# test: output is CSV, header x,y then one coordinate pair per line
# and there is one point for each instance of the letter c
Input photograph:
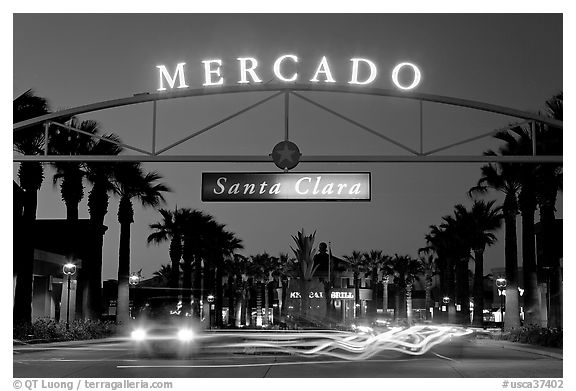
x,y
298,185
277,64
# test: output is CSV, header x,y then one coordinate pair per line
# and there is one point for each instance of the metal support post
x,y
154,128
68,306
286,114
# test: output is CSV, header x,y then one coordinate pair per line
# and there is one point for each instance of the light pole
x,y
69,269
501,285
446,300
134,280
210,299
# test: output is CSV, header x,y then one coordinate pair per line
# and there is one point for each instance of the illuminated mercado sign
x,y
404,75
236,186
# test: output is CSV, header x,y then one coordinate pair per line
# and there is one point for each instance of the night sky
x,y
509,60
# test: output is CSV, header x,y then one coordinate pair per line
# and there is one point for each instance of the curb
x,y
39,345
519,347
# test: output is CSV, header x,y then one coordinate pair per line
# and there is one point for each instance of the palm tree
x,y
440,242
236,266
285,268
428,260
548,184
356,262
479,223
170,228
165,274
518,141
504,178
131,182
406,271
196,224
221,245
304,253
457,229
30,174
374,261
71,174
101,176
259,269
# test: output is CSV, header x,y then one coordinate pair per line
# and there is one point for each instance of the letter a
x,y
325,69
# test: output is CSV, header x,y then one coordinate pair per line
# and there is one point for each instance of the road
x,y
453,359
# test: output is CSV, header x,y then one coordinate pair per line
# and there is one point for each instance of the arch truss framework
x,y
159,155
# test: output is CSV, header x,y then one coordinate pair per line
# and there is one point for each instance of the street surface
x,y
461,357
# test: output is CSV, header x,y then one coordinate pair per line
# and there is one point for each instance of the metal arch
x,y
153,97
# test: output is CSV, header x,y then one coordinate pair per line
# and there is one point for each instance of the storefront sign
x,y
342,295
334,294
311,295
404,75
236,186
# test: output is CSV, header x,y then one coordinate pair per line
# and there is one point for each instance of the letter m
x,y
178,74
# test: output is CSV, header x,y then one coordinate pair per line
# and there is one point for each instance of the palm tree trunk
x,y
123,301
266,303
397,303
552,260
512,314
478,288
197,286
284,306
22,310
92,292
463,292
231,299
450,284
372,304
259,314
385,295
531,291
175,252
219,294
409,303
356,295
402,301
304,299
428,298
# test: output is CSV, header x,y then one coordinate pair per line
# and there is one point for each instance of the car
x,y
163,327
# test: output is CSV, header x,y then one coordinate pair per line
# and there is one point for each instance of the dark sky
x,y
509,60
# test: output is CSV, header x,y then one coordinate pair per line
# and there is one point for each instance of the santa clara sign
x,y
237,186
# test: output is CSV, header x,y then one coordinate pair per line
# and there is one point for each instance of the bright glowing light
x,y
138,335
371,65
416,340
415,81
179,74
185,335
277,64
208,72
323,68
244,70
69,269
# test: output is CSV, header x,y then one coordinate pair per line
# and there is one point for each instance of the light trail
x,y
415,341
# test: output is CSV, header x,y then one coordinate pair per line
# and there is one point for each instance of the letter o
x,y
417,75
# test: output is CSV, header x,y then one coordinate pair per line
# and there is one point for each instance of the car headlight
x,y
138,335
185,335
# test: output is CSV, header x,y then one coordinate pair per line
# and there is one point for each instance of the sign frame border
x,y
369,199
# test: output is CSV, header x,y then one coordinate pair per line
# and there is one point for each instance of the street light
x,y
133,280
69,269
501,285
210,299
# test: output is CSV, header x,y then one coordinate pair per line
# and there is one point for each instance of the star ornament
x,y
286,155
